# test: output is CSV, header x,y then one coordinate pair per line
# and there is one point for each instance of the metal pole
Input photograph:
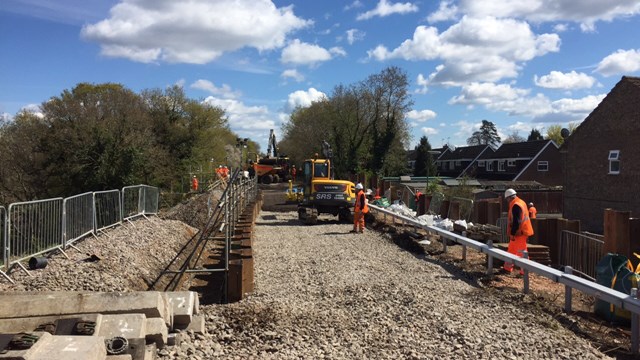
x,y
490,259
567,290
525,254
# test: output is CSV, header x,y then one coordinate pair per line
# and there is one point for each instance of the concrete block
x,y
197,324
50,347
129,326
157,332
28,304
29,324
182,303
174,339
43,339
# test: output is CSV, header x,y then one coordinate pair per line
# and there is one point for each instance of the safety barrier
x,y
570,281
436,202
78,218
581,252
33,228
3,235
139,200
502,224
465,207
107,209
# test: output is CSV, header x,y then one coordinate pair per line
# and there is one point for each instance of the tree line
x,y
105,136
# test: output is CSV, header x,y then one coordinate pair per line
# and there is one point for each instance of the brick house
x,y
453,162
538,161
412,154
603,159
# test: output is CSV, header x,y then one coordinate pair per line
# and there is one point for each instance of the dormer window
x,y
614,162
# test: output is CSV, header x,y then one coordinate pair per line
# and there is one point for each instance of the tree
x,y
486,135
535,135
514,137
424,164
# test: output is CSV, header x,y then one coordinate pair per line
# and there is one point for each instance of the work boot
x,y
353,231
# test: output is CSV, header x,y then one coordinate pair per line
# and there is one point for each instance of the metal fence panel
x,y
151,196
132,201
107,209
581,252
33,227
466,208
502,224
436,202
78,217
3,235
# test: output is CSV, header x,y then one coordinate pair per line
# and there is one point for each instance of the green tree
x,y
424,164
535,135
486,135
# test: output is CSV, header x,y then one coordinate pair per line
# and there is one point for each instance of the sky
x,y
520,64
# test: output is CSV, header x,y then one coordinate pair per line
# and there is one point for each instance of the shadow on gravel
x,y
290,222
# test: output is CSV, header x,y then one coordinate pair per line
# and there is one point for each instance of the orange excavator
x,y
274,167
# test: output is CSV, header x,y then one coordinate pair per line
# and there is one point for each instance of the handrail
x,y
619,299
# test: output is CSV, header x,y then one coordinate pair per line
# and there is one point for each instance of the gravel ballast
x,y
321,292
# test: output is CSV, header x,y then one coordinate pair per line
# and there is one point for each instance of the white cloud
x,y
560,28
354,35
353,5
421,115
446,11
429,131
247,121
298,52
5,117
224,91
423,83
620,62
586,13
303,98
570,80
385,8
33,109
197,32
474,50
292,74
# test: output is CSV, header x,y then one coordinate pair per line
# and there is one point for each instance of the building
x,y
602,159
453,162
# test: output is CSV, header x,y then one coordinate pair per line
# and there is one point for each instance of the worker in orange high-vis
x,y
361,208
518,226
194,183
532,211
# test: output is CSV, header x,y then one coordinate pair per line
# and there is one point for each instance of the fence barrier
x,y
502,224
465,208
107,209
566,277
3,235
33,228
581,252
78,218
436,203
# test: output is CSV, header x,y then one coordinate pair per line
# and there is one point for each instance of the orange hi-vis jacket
x,y
532,212
361,203
525,223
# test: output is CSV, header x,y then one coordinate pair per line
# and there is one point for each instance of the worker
x,y
293,173
219,171
418,194
361,208
225,172
194,184
532,211
518,227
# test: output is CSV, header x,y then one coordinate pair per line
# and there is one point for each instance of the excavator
x,y
323,194
274,167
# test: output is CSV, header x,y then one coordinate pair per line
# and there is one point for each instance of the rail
x,y
570,281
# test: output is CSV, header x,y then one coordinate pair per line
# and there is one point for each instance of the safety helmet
x,y
368,192
509,192
220,166
359,186
530,204
194,176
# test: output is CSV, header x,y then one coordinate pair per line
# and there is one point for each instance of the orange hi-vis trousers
x,y
516,247
358,221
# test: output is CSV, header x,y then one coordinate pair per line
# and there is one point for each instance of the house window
x,y
458,163
451,165
480,163
543,166
614,162
489,166
511,163
501,165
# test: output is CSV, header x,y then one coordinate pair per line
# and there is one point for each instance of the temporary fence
x,y
3,235
33,228
436,203
465,209
78,218
502,224
139,200
107,209
581,252
567,278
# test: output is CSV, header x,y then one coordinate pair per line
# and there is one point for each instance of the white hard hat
x,y
509,192
530,204
359,186
368,192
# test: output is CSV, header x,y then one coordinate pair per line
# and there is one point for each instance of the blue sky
x,y
518,63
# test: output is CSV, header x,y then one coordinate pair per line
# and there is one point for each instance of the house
x,y
602,159
538,161
453,162
412,154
